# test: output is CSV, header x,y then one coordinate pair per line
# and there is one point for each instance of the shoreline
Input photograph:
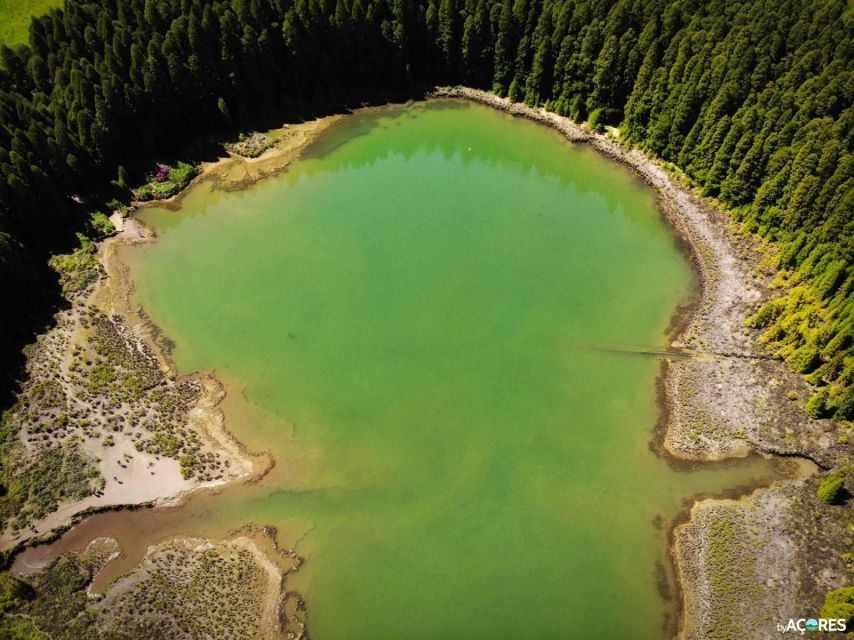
x,y
278,611
112,295
233,172
724,291
698,423
143,479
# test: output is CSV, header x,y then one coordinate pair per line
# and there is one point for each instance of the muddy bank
x,y
729,398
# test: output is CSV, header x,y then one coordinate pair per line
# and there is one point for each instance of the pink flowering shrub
x,y
162,173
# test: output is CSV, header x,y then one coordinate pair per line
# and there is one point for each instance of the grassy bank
x,y
15,18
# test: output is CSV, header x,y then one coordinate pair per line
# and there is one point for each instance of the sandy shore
x,y
727,399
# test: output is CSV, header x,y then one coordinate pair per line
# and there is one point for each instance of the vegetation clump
x,y
250,145
14,593
839,604
101,226
166,181
38,484
79,270
832,487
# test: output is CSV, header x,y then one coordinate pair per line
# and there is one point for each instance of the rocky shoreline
x,y
729,398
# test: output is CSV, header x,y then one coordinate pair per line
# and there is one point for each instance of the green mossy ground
x,y
15,18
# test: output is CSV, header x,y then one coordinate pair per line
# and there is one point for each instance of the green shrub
x,y
101,225
515,91
816,407
179,176
839,604
165,444
805,359
596,121
13,592
831,488
20,629
101,377
121,181
767,313
77,270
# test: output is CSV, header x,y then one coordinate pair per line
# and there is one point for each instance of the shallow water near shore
x,y
423,320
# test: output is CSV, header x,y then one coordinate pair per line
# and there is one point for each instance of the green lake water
x,y
424,317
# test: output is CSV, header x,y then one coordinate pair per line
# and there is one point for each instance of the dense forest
x,y
752,100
